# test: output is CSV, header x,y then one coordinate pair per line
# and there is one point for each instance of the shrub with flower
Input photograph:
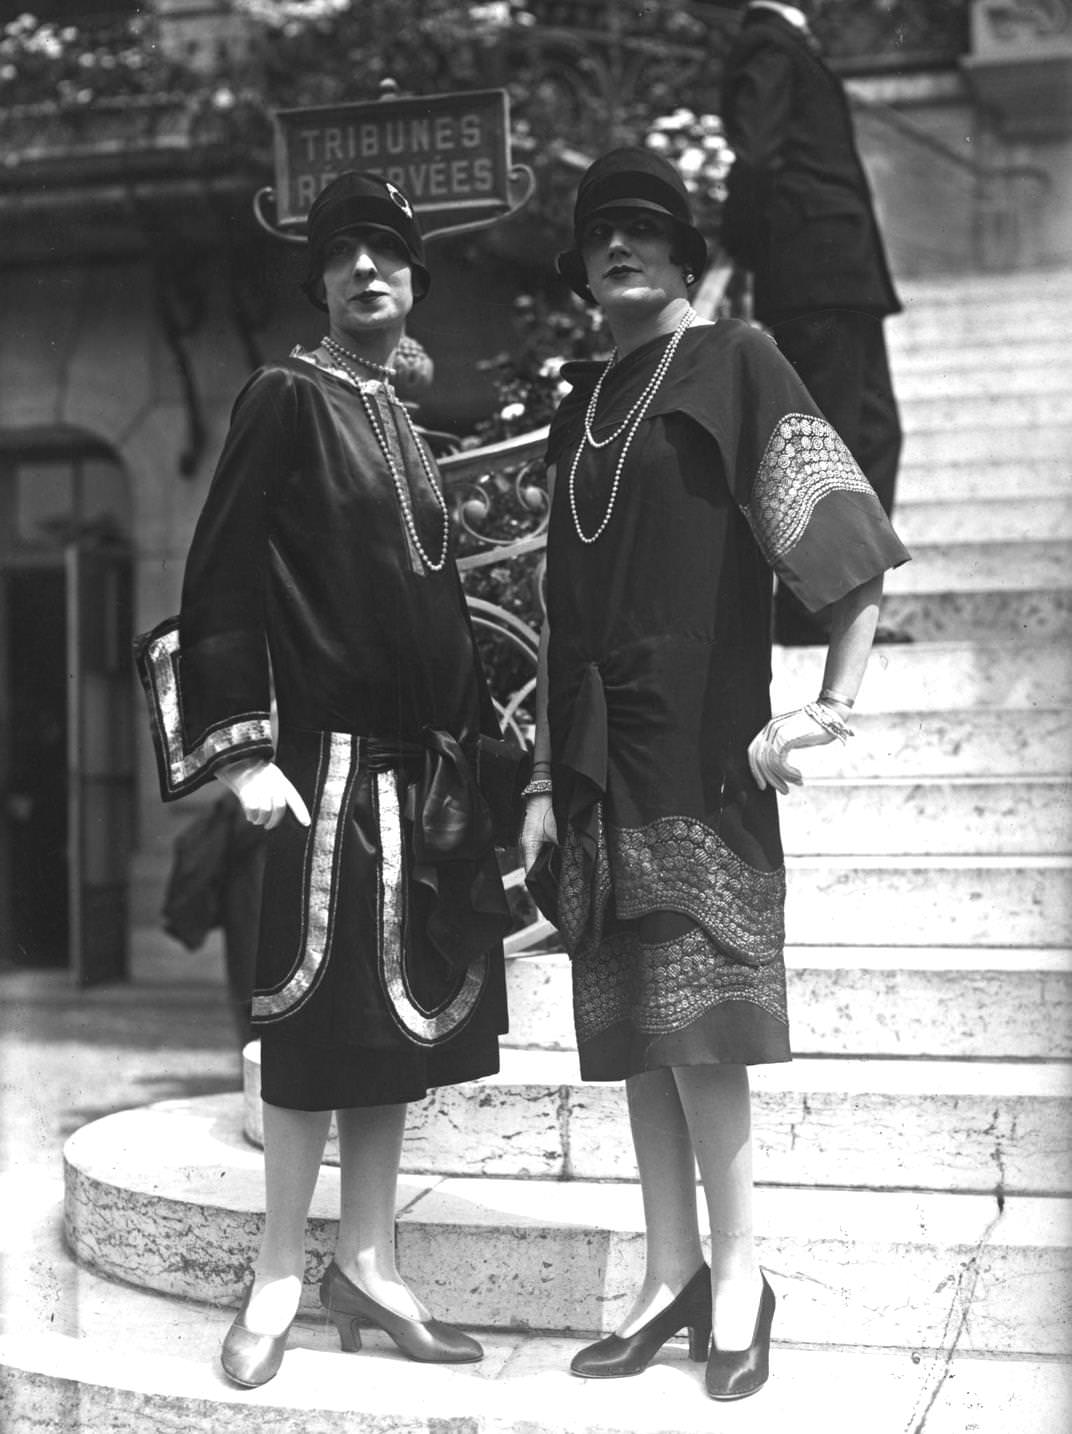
x,y
696,144
76,66
528,383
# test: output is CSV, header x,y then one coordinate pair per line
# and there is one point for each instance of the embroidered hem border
x,y
661,988
672,864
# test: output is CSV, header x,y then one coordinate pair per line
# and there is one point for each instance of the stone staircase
x,y
913,1161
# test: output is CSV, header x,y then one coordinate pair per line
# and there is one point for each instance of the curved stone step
x,y
82,1355
170,1198
917,1125
884,1001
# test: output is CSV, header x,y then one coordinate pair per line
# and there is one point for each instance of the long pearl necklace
x,y
632,422
342,357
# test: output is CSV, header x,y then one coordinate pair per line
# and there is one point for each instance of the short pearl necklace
x,y
631,421
342,357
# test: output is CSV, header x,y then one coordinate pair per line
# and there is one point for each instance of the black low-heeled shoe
x,y
620,1355
736,1373
251,1359
429,1341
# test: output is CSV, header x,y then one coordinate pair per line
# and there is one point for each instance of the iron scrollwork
x,y
499,503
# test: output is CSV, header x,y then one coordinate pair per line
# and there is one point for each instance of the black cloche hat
x,y
367,200
631,178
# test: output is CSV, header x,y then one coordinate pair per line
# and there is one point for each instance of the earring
x,y
690,277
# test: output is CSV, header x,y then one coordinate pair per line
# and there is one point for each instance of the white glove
x,y
768,750
537,829
264,792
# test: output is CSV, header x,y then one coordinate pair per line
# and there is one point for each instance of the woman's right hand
x,y
537,829
264,792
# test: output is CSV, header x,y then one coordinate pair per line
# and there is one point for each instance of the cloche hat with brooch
x,y
368,201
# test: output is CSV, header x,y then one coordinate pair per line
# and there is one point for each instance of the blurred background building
x,y
137,292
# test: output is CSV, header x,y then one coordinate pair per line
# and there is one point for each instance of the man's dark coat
x,y
799,212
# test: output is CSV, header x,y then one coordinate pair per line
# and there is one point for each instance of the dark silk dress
x,y
672,892
379,964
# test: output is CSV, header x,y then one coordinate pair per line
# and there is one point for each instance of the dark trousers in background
x,y
841,358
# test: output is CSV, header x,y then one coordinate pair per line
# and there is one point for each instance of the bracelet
x,y
538,787
828,693
828,721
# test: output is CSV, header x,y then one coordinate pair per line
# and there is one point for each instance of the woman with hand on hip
x,y
322,567
687,469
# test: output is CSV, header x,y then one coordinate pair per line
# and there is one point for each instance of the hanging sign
x,y
449,154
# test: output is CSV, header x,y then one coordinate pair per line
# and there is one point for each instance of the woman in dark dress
x,y
321,568
686,470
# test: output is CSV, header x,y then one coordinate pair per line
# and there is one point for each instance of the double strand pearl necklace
x,y
342,357
630,422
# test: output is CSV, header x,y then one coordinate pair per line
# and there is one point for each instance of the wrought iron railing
x,y
499,502
498,497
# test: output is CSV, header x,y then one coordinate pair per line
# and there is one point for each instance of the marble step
x,y
964,590
953,815
944,676
929,901
945,333
884,1001
989,294
998,521
976,367
80,1354
964,616
984,414
870,1124
944,440
942,745
948,321
982,480
957,566
170,1198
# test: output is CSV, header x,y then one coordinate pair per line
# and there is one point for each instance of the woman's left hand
x,y
768,750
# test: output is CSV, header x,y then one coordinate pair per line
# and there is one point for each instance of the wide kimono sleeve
x,y
815,517
206,673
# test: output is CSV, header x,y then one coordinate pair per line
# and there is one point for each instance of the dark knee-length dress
x,y
379,963
672,890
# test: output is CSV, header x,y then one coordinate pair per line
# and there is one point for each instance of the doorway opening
x,y
66,749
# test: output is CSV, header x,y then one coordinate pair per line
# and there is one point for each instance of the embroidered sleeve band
x,y
182,767
804,462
